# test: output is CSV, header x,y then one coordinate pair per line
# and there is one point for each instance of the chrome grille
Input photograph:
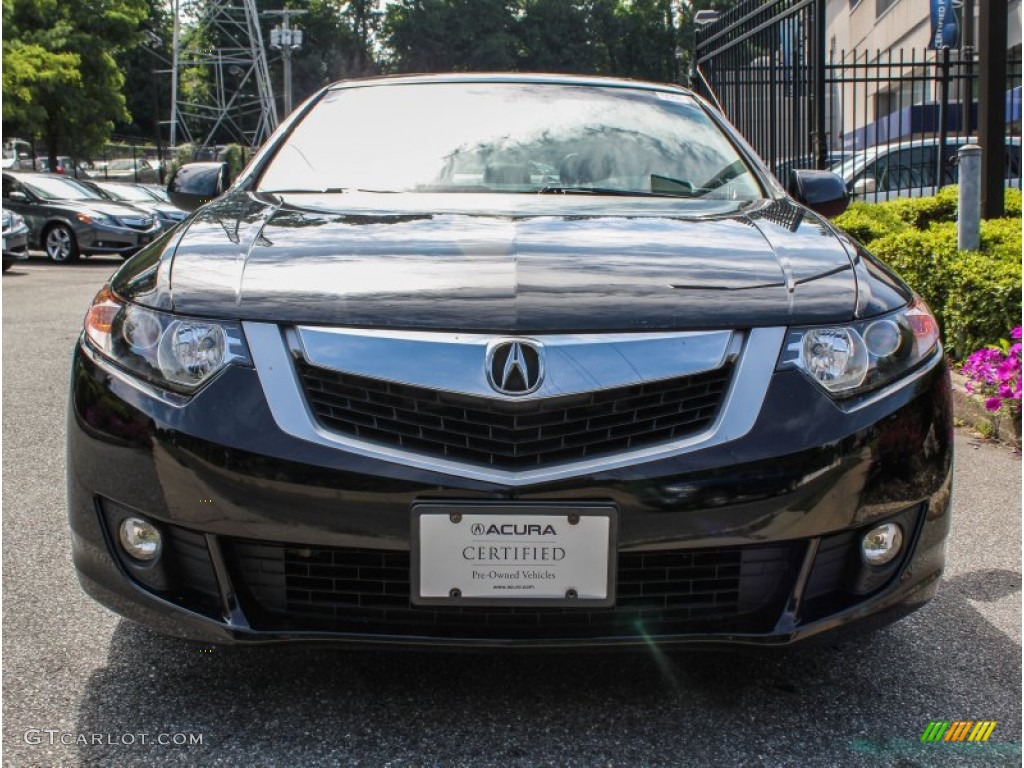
x,y
514,434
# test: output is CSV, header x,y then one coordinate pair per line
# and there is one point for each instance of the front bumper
x,y
15,244
106,238
251,512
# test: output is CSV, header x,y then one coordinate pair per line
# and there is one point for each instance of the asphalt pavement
x,y
83,687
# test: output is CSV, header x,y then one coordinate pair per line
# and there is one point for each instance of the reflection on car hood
x,y
531,264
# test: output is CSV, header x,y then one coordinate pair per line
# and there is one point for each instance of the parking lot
x,y
83,687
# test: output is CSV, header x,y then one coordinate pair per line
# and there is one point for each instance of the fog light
x,y
881,544
139,538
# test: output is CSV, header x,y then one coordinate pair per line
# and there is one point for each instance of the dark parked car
x,y
138,196
15,239
68,219
501,360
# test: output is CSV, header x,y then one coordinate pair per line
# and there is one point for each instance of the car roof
x,y
540,78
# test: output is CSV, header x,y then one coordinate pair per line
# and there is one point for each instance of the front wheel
x,y
61,244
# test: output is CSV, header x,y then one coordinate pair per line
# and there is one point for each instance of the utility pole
x,y
286,38
174,79
992,106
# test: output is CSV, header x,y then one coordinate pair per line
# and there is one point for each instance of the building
x,y
889,88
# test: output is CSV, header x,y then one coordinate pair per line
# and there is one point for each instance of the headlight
x,y
94,218
17,221
849,359
177,353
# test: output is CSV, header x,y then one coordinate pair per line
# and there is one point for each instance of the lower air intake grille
x,y
659,593
514,434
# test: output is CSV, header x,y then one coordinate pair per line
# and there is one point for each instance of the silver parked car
x,y
908,169
68,219
15,238
166,214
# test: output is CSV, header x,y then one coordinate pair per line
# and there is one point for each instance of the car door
x,y
28,207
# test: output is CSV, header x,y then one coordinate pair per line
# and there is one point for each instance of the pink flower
x,y
1015,333
993,403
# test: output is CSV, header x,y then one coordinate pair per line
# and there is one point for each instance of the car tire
x,y
8,263
60,244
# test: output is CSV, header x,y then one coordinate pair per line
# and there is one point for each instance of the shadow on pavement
x,y
863,702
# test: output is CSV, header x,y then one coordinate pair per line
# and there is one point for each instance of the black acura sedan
x,y
502,360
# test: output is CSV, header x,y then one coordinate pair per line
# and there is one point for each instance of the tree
x,y
451,36
557,36
61,81
146,69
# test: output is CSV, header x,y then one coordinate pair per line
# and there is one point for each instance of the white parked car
x,y
908,169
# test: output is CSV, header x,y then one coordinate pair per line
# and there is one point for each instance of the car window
x,y
10,185
509,137
906,168
126,192
51,188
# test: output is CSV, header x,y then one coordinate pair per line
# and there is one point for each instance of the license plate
x,y
5,243
513,554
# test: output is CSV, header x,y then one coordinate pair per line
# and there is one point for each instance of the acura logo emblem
x,y
515,367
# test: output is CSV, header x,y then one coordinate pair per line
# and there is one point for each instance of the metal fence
x,y
897,118
889,121
761,62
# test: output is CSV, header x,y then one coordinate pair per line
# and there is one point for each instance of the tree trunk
x,y
51,147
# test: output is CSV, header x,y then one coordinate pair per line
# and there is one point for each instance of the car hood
x,y
106,207
443,263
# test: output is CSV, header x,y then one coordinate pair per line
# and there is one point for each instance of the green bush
x,y
234,156
920,212
983,302
1011,204
922,259
867,222
975,296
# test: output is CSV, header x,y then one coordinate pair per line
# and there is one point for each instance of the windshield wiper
x,y
561,190
327,191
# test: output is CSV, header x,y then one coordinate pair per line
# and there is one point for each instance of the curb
x,y
970,409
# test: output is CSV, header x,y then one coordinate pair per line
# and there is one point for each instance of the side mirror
x,y
19,197
822,191
865,186
196,184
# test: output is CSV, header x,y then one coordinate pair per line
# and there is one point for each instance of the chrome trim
x,y
740,408
458,362
855,404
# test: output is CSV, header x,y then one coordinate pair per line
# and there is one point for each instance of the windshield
x,y
124,192
49,188
509,137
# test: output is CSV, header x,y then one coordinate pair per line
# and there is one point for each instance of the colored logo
x,y
515,367
958,730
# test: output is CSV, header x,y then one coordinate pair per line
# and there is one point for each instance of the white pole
x,y
968,218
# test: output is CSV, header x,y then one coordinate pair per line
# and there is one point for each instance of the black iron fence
x,y
896,118
889,121
762,63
